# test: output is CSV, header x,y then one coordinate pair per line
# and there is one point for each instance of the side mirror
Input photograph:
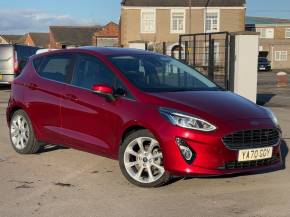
x,y
104,90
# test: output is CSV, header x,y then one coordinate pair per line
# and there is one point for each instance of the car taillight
x,y
15,63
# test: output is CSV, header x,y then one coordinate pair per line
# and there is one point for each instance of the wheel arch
x,y
11,111
129,130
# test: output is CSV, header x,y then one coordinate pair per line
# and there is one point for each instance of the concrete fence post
x,y
244,64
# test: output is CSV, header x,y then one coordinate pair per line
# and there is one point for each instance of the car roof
x,y
104,51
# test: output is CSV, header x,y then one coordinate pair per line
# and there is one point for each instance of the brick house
x,y
274,39
157,21
9,39
35,39
71,36
108,36
76,36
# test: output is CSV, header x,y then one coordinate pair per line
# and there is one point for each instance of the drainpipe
x,y
190,16
206,6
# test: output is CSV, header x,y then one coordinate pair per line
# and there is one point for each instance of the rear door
x,y
45,93
6,62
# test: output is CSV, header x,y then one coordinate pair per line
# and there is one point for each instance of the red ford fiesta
x,y
155,115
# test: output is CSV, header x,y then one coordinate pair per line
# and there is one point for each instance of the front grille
x,y
252,139
250,164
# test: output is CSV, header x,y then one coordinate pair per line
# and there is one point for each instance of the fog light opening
x,y
187,153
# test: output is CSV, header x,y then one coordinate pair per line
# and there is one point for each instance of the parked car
x,y
12,58
154,114
264,64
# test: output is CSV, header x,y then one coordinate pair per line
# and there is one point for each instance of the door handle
x,y
71,97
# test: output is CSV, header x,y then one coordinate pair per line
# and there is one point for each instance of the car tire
x,y
142,167
21,134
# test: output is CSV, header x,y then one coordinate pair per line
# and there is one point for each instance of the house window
x,y
178,21
212,20
148,21
287,33
281,55
266,32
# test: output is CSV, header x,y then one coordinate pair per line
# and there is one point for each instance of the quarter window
x,y
177,21
281,55
56,68
212,20
148,21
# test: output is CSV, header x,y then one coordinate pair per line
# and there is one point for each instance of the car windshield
x,y
156,73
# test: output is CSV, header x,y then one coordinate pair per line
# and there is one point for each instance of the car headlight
x,y
186,121
272,116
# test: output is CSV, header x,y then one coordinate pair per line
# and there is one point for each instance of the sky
x,y
21,16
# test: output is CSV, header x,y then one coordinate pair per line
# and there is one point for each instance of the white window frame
x,y
287,33
142,28
171,20
281,56
212,10
266,31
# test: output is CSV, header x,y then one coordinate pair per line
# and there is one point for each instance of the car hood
x,y
220,105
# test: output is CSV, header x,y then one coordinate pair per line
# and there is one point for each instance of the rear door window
x,y
57,68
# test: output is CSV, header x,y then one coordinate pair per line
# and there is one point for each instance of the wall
x,y
231,20
278,43
28,41
2,41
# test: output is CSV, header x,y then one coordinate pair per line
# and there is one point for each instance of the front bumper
x,y
264,68
212,157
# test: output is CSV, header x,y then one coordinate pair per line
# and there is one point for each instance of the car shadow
x,y
284,154
263,99
50,148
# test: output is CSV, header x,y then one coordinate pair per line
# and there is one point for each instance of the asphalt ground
x,y
68,183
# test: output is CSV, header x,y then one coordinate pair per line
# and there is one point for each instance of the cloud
x,y
22,21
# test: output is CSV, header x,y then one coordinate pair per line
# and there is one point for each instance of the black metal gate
x,y
209,53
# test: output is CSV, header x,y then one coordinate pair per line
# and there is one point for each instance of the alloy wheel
x,y
19,132
143,160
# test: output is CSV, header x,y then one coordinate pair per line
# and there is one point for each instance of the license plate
x,y
262,68
255,154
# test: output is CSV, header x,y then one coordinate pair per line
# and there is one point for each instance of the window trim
x,y
172,31
287,32
212,10
280,55
141,20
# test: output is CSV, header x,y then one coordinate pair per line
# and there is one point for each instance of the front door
x,y
90,121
